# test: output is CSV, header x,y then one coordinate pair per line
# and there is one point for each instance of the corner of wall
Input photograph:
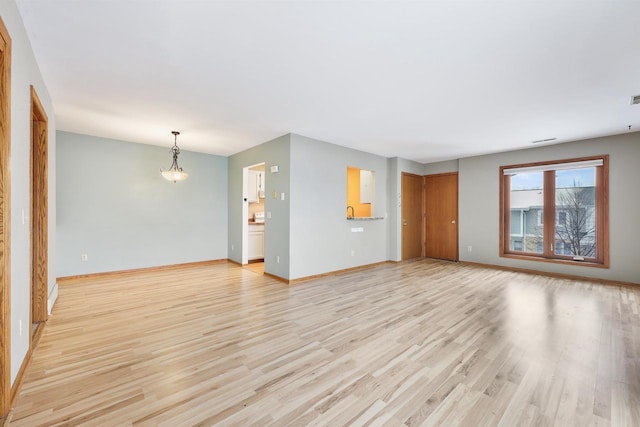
x,y
53,297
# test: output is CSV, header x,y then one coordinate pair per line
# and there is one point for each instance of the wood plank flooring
x,y
417,343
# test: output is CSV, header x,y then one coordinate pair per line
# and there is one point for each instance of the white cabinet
x,y
367,188
256,186
261,187
252,196
256,241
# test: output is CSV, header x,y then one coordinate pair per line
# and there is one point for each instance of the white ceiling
x,y
424,81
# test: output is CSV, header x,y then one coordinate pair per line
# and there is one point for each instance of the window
x,y
574,193
517,245
562,219
360,192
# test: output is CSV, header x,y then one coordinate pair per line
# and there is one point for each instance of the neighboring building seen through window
x,y
556,210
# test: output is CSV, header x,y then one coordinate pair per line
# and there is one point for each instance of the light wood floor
x,y
419,343
256,267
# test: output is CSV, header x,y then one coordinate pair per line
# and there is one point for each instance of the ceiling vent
x,y
538,141
635,100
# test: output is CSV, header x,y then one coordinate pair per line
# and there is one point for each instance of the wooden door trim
x,y
435,175
5,218
422,225
457,216
39,211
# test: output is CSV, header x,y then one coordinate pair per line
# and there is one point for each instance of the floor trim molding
x,y
70,279
17,383
549,274
336,272
278,278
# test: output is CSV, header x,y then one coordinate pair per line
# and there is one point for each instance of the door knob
x,y
453,221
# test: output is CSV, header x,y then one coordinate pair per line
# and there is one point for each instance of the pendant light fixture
x,y
175,172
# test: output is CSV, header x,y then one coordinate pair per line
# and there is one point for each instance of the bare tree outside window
x,y
577,233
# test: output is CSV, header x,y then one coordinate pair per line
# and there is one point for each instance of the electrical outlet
x,y
469,248
84,257
278,259
232,248
353,253
281,196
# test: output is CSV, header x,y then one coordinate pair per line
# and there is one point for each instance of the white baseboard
x,y
53,297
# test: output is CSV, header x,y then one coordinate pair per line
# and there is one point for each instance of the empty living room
x,y
292,213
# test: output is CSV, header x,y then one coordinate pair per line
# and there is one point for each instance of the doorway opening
x,y
253,215
39,214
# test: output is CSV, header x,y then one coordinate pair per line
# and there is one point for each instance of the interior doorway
x,y
441,216
411,216
39,213
253,214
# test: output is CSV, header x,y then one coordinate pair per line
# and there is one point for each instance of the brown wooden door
x,y
441,216
411,216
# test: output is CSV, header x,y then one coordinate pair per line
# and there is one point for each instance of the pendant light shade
x,y
175,172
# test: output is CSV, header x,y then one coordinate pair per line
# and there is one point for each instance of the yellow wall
x,y
353,193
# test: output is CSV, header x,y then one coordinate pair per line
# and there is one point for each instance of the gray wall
x,y
24,73
479,201
396,167
276,230
321,237
114,206
309,230
440,167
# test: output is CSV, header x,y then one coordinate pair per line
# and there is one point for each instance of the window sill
x,y
556,260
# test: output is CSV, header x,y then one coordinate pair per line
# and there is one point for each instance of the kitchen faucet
x,y
352,212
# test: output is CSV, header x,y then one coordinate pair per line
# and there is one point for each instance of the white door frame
x,y
245,211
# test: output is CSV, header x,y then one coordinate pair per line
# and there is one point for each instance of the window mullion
x,y
549,190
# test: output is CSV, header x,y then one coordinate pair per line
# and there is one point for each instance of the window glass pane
x,y
526,199
575,230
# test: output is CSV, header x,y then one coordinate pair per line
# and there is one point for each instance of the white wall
x,y
24,73
276,231
321,237
396,167
440,167
479,205
114,206
308,230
